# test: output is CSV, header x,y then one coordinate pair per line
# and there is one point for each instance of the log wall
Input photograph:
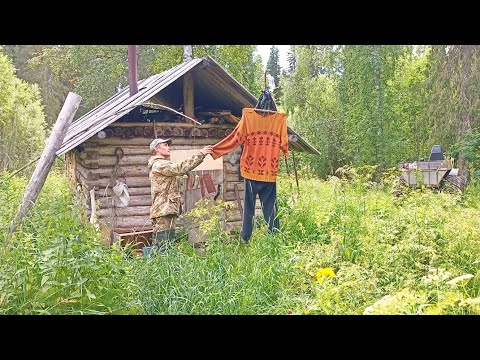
x,y
123,154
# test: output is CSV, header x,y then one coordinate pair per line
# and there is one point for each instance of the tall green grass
x,y
348,245
228,277
55,263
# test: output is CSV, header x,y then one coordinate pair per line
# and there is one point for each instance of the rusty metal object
x,y
209,184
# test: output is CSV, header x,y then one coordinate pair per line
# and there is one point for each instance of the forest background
x,y
357,104
348,245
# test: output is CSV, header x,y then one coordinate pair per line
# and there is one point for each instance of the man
x,y
164,188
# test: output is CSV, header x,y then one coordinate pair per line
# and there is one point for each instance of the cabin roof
x,y
215,88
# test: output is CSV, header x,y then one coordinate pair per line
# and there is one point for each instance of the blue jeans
x,y
267,192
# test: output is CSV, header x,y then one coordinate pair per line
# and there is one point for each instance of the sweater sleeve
x,y
232,141
284,137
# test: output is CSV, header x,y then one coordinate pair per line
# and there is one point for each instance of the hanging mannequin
x,y
263,132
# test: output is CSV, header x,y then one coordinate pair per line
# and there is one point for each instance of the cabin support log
x,y
188,95
44,165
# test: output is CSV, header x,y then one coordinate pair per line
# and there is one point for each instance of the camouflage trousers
x,y
163,232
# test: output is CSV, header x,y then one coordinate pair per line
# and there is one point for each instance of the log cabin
x,y
110,144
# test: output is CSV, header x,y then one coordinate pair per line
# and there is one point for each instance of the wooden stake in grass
x,y
44,165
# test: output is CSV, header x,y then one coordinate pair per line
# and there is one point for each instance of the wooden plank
x,y
188,94
230,186
191,197
135,200
44,165
133,222
135,149
131,191
169,124
110,160
193,141
124,211
131,182
136,233
138,160
233,119
225,114
231,195
118,141
70,161
239,201
143,141
127,150
125,171
232,177
120,230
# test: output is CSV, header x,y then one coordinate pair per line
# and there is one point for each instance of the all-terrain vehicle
x,y
438,172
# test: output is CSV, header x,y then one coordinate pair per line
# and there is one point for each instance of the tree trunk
x,y
465,125
466,116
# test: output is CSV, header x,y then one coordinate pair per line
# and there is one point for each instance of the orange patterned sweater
x,y
263,135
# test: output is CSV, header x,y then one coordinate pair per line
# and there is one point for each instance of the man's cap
x,y
155,142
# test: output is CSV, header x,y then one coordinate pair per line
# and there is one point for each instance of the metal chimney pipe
x,y
132,69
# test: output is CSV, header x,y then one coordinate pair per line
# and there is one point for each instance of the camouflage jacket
x,y
163,178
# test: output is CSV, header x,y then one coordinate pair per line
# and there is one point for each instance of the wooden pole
x,y
295,171
42,169
23,167
93,206
239,202
188,104
188,95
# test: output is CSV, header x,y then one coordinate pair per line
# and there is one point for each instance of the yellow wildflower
x,y
324,273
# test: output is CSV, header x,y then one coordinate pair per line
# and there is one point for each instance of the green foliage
x,y
22,122
55,264
273,69
366,91
95,72
364,107
313,108
239,61
273,65
53,89
453,99
358,105
345,246
469,149
379,248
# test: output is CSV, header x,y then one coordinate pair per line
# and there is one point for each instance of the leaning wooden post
x,y
54,143
295,170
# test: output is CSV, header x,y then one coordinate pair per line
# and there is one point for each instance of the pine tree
x,y
273,68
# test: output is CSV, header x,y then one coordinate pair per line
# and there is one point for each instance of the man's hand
x,y
207,150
